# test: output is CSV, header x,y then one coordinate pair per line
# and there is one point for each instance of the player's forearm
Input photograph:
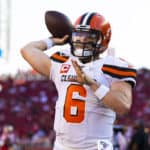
x,y
117,101
44,44
35,45
118,97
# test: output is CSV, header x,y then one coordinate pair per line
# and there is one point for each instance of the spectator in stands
x,y
6,138
139,140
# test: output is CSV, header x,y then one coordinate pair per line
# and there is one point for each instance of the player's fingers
x,y
77,67
60,41
65,38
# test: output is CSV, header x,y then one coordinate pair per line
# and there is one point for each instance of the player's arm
x,y
118,97
33,53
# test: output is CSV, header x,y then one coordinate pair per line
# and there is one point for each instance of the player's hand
x,y
82,77
60,41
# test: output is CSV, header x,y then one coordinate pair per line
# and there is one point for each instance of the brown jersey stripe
x,y
59,58
119,71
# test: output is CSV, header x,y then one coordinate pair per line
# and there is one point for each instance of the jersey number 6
x,y
77,104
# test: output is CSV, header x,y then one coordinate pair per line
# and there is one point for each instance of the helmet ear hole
x,y
100,40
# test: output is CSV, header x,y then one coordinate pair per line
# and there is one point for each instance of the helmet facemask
x,y
85,42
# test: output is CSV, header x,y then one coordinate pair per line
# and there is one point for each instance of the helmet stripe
x,y
89,19
86,18
82,19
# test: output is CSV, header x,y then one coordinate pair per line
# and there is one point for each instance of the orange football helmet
x,y
95,25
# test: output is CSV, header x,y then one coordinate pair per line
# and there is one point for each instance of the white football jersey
x,y
81,119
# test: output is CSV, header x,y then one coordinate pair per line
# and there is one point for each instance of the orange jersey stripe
x,y
59,57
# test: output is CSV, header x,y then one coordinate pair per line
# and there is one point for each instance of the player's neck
x,y
88,60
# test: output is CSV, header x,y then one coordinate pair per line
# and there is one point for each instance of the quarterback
x,y
91,89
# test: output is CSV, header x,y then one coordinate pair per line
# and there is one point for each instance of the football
x,y
58,24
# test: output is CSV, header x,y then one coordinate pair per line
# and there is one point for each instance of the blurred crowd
x,y
27,106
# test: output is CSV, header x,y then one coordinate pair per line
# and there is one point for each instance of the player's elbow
x,y
124,109
26,49
22,51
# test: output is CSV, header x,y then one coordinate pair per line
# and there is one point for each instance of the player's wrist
x,y
88,81
49,42
101,91
94,86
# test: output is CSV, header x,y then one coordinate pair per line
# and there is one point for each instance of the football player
x,y
91,89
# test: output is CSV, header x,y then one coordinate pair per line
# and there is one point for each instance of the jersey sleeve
x,y
119,69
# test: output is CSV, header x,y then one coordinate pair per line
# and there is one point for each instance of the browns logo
x,y
64,68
